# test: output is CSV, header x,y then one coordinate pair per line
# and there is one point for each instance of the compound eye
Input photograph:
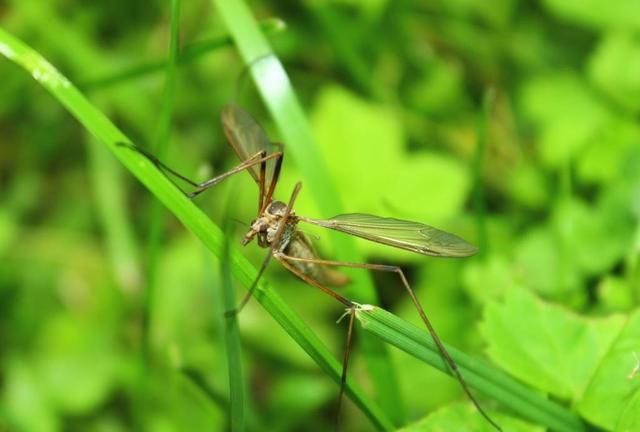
x,y
276,208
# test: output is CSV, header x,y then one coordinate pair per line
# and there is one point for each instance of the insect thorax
x,y
288,233
267,225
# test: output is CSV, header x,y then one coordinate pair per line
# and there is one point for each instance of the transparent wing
x,y
411,236
247,139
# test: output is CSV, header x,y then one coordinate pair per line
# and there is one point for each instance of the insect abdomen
x,y
300,247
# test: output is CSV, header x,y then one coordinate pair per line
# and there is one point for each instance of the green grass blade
x,y
184,210
276,90
232,341
479,198
478,374
188,54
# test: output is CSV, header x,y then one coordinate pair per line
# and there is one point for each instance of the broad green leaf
x,y
547,346
595,238
526,185
77,363
566,114
490,278
598,14
463,417
428,187
614,385
630,417
363,144
24,405
615,294
605,156
544,265
440,90
615,68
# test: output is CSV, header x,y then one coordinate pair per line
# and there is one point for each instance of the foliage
x,y
399,96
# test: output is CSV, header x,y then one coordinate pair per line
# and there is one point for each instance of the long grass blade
x,y
479,198
232,341
479,375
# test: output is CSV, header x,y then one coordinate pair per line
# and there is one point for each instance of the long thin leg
x,y
274,176
283,260
261,178
352,313
251,289
253,160
258,158
395,269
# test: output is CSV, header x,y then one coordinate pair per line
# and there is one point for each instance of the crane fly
x,y
275,228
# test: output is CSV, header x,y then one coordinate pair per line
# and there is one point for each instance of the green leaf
x,y
615,68
489,278
439,91
478,374
630,417
614,386
526,185
566,114
547,346
610,148
366,139
615,294
615,14
539,249
428,186
25,405
77,364
594,239
463,417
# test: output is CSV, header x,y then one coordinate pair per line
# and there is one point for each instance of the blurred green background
x,y
545,179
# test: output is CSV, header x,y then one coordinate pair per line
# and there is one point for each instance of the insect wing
x,y
247,139
411,236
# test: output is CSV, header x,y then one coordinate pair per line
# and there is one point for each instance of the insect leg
x,y
251,289
275,176
201,187
261,178
253,160
352,313
395,269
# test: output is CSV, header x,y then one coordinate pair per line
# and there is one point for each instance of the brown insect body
x,y
292,242
300,246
